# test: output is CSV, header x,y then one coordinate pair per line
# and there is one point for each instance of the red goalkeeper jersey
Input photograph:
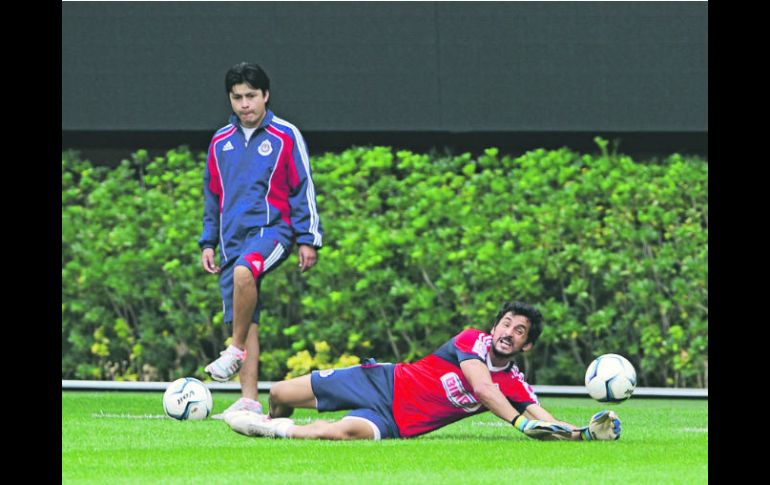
x,y
433,392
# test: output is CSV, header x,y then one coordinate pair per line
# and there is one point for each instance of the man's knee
x,y
243,278
276,390
278,401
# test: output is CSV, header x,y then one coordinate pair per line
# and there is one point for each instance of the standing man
x,y
259,197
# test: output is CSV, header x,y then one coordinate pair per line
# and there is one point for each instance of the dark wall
x,y
375,69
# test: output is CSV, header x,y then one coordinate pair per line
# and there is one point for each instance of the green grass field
x,y
121,437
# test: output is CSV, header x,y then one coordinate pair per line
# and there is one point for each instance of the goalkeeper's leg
x,y
287,395
251,424
344,429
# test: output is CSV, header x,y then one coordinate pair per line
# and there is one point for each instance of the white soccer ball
x,y
187,398
610,378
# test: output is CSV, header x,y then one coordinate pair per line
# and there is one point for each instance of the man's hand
x,y
207,260
307,257
604,425
542,430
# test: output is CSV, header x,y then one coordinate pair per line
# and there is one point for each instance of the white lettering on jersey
x,y
457,394
481,346
517,374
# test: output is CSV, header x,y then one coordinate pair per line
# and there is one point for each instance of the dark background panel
x,y
576,66
161,66
411,74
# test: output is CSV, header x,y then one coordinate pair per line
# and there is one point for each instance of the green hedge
x,y
418,246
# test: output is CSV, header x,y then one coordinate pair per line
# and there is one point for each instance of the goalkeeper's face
x,y
509,336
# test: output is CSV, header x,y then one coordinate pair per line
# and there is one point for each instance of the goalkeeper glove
x,y
604,425
542,430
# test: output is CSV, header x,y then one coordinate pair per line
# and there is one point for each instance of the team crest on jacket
x,y
265,148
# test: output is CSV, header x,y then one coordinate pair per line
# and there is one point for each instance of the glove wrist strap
x,y
519,422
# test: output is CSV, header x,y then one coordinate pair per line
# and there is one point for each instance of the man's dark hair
x,y
533,315
245,72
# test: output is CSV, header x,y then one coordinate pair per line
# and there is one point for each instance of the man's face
x,y
509,336
248,104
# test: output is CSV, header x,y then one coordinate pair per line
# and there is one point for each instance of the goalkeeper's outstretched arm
x,y
490,396
536,422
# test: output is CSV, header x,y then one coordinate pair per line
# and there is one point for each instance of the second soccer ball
x,y
610,378
187,398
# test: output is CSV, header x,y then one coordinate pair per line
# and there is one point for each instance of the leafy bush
x,y
417,247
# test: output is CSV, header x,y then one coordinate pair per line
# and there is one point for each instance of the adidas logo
x,y
257,265
228,146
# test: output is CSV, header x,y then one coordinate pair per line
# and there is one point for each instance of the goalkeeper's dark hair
x,y
245,72
525,310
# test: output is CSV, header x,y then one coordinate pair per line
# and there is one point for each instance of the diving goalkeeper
x,y
470,374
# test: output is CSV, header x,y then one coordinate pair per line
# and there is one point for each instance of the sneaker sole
x,y
221,416
217,378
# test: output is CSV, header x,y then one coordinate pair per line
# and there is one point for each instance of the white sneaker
x,y
251,424
242,404
228,363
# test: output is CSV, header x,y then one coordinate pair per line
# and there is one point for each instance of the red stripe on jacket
x,y
284,177
215,180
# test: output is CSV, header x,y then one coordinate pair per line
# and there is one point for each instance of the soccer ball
x,y
610,378
187,398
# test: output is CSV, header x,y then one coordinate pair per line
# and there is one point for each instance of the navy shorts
x,y
365,389
261,253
